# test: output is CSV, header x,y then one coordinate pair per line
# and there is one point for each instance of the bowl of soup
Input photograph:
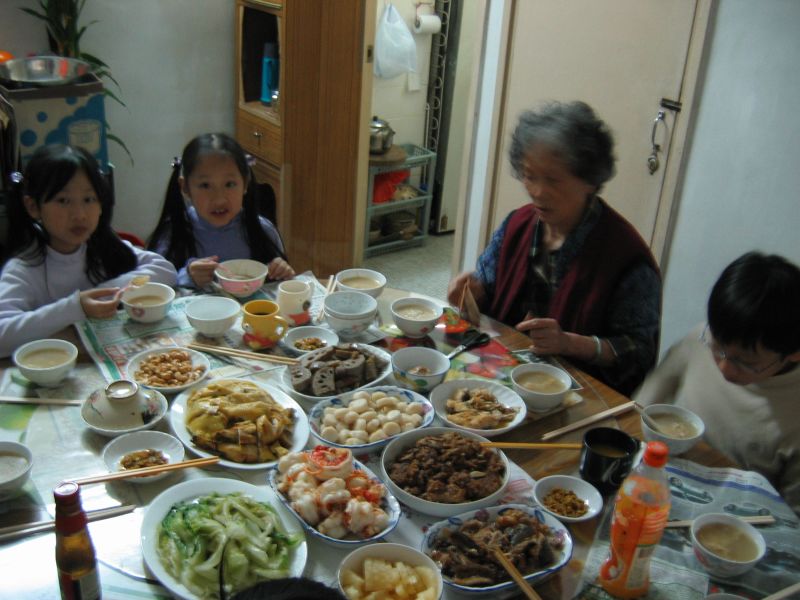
x,y
241,277
361,280
148,303
678,427
45,362
415,317
16,461
542,386
419,369
725,545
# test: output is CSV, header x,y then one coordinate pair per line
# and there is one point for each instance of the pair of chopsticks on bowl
x,y
328,289
146,471
236,353
611,412
15,531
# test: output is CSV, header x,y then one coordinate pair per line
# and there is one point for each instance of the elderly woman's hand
x,y
455,290
546,335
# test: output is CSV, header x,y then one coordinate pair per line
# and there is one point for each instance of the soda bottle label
x,y
86,587
639,574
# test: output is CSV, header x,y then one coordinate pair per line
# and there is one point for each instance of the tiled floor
x,y
424,269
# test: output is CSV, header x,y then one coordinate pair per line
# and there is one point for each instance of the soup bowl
x,y
148,303
546,398
16,461
416,317
725,545
241,277
213,316
419,369
45,362
361,280
679,428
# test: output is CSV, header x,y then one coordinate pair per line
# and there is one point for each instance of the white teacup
x,y
294,299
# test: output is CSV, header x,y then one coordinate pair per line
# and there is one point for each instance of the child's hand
x,y
202,270
279,269
100,303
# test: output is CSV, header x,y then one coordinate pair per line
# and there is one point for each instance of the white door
x,y
621,57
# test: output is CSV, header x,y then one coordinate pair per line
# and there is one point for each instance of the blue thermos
x,y
270,72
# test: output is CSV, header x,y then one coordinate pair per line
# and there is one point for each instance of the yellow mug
x,y
263,326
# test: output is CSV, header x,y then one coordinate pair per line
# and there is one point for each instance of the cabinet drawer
x,y
260,138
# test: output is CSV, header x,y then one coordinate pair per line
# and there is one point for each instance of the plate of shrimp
x,y
336,498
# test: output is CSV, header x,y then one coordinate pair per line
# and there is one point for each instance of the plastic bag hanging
x,y
395,49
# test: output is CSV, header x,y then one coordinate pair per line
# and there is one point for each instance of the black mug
x,y
607,458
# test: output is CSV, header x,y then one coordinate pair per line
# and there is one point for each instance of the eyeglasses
x,y
719,354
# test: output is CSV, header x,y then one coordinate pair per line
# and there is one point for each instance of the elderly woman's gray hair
x,y
574,133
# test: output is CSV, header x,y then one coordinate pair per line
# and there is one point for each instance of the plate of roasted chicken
x,y
248,425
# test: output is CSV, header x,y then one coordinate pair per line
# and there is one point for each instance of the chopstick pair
x,y
236,353
760,520
511,569
129,474
611,412
328,290
50,401
15,531
531,446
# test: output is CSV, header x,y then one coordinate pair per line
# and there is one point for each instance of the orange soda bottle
x,y
640,514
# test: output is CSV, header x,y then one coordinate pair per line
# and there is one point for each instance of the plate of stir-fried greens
x,y
213,537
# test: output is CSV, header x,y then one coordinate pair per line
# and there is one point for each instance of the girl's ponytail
x,y
173,236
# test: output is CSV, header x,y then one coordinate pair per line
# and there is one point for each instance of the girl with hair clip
x,y
67,263
210,214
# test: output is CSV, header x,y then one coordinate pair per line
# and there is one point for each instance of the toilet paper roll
x,y
427,24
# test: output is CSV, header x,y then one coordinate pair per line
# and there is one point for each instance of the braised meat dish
x,y
466,554
448,468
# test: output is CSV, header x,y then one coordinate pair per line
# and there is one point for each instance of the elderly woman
x,y
568,269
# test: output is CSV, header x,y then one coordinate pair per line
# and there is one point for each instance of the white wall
x,y
742,180
174,61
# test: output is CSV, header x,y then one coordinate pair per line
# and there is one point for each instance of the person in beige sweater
x,y
740,374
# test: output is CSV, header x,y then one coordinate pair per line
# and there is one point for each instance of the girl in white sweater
x,y
67,263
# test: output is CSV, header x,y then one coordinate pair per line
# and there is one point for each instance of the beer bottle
x,y
75,557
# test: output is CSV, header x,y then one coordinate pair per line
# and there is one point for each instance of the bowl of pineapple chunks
x,y
389,572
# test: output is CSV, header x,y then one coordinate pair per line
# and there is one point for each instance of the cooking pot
x,y
380,136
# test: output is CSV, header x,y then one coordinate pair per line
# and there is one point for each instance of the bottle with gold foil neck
x,y
75,558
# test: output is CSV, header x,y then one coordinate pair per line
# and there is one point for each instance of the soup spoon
x,y
651,422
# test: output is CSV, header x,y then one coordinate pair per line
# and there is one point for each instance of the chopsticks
x,y
328,290
761,520
784,593
516,575
15,531
54,401
531,446
236,353
196,462
611,412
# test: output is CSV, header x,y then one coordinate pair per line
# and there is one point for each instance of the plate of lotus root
x,y
336,369
248,425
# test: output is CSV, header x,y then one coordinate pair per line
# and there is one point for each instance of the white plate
x,y
111,420
309,401
168,445
562,556
388,504
198,360
177,420
442,393
316,414
582,489
195,488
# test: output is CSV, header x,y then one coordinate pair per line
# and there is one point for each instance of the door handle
x,y
653,162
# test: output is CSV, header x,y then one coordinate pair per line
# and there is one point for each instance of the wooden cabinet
x,y
310,145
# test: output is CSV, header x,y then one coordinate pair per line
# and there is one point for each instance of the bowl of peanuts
x,y
301,340
168,370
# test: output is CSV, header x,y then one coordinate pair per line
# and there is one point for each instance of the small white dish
x,y
300,433
213,316
444,391
17,470
115,418
294,335
199,360
582,489
118,448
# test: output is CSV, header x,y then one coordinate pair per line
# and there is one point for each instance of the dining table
x,y
65,449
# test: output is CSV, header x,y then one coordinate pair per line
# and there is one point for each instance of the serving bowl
x,y
241,277
403,442
17,461
44,70
349,313
361,280
415,405
200,364
710,555
213,316
419,369
504,396
45,362
679,428
294,335
583,490
148,303
416,317
113,418
541,401
558,533
120,447
353,564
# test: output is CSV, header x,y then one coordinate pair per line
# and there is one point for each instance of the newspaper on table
x,y
675,573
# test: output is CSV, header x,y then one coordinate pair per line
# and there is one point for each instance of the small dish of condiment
x,y
567,498
142,449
